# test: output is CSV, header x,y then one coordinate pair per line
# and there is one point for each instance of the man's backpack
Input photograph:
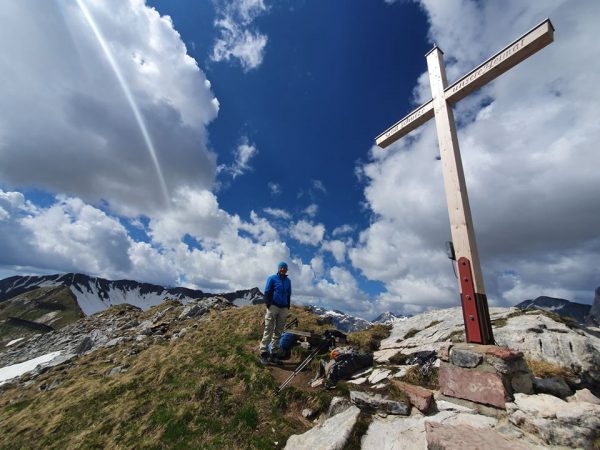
x,y
347,361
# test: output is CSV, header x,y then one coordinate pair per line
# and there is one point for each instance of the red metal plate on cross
x,y
469,305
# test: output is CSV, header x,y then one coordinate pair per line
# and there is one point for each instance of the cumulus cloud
x,y
529,157
337,249
237,37
68,236
307,233
74,127
75,134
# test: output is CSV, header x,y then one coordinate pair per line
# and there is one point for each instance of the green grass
x,y
36,306
204,390
369,339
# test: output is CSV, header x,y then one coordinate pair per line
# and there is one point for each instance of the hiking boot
x,y
274,359
264,358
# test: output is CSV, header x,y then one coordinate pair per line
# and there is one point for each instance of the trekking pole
x,y
304,363
292,323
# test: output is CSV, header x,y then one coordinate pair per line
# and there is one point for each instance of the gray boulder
x,y
552,385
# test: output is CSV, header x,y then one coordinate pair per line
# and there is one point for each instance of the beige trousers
x,y
274,322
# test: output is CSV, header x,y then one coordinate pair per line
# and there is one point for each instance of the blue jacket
x,y
278,291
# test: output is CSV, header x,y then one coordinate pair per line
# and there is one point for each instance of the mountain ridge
x,y
560,306
94,294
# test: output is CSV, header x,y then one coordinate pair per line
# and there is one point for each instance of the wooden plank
x,y
459,211
519,50
511,55
407,124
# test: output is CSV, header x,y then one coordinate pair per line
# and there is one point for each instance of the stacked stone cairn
x,y
484,374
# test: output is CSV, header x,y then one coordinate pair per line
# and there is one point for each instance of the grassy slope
x,y
203,390
36,304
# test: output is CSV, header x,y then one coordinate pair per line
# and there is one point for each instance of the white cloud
x,y
74,128
307,233
68,236
237,40
277,213
343,229
529,159
242,156
317,185
311,210
337,249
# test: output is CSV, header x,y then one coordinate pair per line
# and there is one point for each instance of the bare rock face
x,y
330,435
429,331
541,338
556,422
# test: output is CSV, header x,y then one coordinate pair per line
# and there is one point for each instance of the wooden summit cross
x,y
472,292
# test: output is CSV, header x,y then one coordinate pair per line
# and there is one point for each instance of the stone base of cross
x,y
478,328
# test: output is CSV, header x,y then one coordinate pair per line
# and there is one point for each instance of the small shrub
x,y
360,428
457,336
411,333
545,369
428,380
369,339
399,359
433,324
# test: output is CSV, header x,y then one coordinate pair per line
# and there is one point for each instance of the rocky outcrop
x,y
541,338
110,328
429,331
535,334
556,422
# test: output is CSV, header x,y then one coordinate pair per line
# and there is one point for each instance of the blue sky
x,y
261,118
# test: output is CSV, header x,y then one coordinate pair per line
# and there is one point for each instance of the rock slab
x,y
376,401
473,385
330,435
460,437
419,397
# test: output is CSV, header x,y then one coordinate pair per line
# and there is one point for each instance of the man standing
x,y
278,293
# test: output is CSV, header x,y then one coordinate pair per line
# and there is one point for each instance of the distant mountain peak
x,y
389,318
560,306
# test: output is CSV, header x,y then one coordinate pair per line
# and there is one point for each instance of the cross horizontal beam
x,y
519,50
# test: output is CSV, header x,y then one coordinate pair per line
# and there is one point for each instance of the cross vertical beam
x,y
476,314
477,323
